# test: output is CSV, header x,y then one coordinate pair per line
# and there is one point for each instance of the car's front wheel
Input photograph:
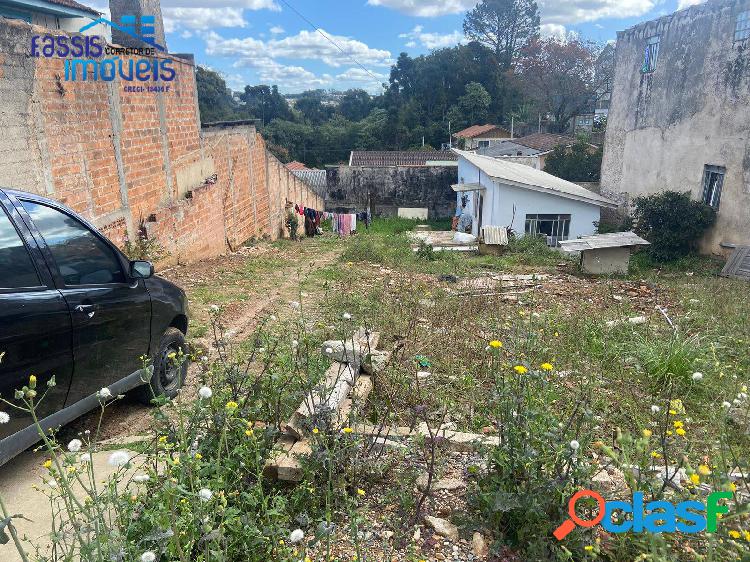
x,y
170,369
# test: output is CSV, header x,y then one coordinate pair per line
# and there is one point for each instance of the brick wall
x,y
121,158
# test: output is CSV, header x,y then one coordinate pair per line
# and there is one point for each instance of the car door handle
x,y
87,309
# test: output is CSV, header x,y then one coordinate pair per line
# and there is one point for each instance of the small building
x,y
605,254
394,158
482,136
64,15
679,114
529,201
530,150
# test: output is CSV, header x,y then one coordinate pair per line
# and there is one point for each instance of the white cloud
x,y
307,45
426,8
432,40
359,75
276,30
578,11
553,30
241,4
202,18
687,3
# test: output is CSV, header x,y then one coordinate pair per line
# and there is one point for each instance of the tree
x,y
476,102
673,223
503,26
562,77
215,100
578,163
355,105
310,105
266,103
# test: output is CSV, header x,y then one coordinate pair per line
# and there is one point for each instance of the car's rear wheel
x,y
169,370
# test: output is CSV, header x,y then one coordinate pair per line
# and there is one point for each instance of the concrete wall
x,y
694,110
388,189
120,158
500,200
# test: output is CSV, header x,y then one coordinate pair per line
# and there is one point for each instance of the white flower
x,y
205,392
736,402
346,316
141,478
273,317
329,350
296,536
104,393
85,457
295,305
4,417
697,376
148,556
75,445
742,396
119,458
726,404
295,344
261,350
214,308
655,409
574,445
205,494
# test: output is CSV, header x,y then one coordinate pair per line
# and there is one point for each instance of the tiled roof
x,y
378,159
73,4
545,142
480,130
292,166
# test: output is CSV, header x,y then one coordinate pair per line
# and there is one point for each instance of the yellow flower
x,y
647,433
249,432
678,424
176,461
32,381
703,470
681,432
672,412
496,344
547,367
361,492
171,355
670,432
231,406
588,548
746,535
733,486
348,430
316,431
734,534
48,463
198,456
695,479
655,454
162,439
557,335
281,542
308,559
520,369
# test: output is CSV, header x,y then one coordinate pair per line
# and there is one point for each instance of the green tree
x,y
476,102
215,100
673,223
503,26
266,103
355,105
310,106
578,163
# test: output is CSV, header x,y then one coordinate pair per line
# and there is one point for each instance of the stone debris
x,y
375,362
479,546
438,485
442,527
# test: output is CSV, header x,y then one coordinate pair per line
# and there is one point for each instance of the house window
x,y
554,227
742,29
713,181
484,144
650,55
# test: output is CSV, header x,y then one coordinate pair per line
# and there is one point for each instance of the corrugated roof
x,y
314,178
508,148
526,177
545,142
73,4
478,130
383,159
601,241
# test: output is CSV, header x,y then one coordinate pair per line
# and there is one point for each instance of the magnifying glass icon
x,y
569,524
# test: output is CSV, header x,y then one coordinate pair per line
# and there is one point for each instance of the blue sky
x,y
264,41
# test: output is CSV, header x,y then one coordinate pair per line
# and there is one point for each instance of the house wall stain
x,y
693,111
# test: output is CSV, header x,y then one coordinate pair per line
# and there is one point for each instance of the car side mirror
x,y
141,269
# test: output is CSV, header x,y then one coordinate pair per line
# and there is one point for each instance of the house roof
x,y
508,148
526,177
384,159
602,241
544,142
480,130
292,166
314,178
73,4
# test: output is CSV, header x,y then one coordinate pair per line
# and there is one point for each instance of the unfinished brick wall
x,y
122,158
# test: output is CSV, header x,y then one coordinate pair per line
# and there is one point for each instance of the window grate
x,y
713,182
650,55
555,228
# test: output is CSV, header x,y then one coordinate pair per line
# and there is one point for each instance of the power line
x,y
339,47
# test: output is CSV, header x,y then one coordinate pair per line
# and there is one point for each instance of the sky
x,y
273,41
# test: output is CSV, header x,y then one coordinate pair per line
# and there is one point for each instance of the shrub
x,y
673,223
580,162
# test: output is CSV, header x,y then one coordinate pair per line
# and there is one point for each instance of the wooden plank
x,y
738,265
454,440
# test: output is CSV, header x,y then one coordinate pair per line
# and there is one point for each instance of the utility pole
x,y
540,122
512,126
450,136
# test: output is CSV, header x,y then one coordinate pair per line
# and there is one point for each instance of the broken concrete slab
x,y
437,485
442,527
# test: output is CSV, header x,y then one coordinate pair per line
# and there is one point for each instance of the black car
x,y
73,306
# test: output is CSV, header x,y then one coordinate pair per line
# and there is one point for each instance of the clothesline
x,y
342,224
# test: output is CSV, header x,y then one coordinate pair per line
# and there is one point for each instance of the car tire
x,y
168,377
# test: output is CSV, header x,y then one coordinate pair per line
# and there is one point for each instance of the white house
x,y
501,193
